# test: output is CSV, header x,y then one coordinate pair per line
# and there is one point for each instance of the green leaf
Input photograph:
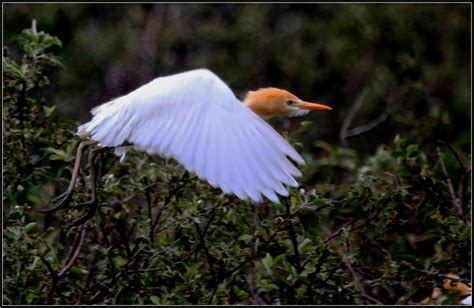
x,y
79,270
48,110
304,245
268,262
13,69
120,261
49,40
155,300
192,270
54,60
56,151
29,227
245,237
22,37
269,286
412,149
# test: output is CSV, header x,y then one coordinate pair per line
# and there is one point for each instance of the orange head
x,y
270,102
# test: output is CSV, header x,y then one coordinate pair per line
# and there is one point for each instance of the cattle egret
x,y
195,118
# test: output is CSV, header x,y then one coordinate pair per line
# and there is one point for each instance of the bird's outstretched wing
x,y
195,118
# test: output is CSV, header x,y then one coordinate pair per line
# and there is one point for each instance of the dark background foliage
x,y
384,208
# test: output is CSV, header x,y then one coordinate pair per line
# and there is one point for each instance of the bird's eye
x,y
290,102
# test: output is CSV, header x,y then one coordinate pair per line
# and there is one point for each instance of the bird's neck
x,y
263,110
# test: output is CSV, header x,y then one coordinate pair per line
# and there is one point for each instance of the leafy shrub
x,y
361,230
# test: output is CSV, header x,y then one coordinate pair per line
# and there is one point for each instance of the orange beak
x,y
312,106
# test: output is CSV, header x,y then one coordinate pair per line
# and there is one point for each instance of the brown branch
x,y
368,126
454,153
345,132
69,260
54,280
148,202
76,252
340,230
126,241
172,192
465,177
250,277
265,244
356,279
211,216
145,270
292,233
454,198
209,262
206,251
464,198
114,276
350,116
72,248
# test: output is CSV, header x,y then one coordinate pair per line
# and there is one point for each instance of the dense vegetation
x,y
384,207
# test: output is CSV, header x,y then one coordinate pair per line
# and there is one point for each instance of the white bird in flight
x,y
194,118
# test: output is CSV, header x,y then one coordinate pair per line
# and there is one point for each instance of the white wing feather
x,y
195,118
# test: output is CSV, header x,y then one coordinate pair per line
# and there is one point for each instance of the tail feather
x,y
109,125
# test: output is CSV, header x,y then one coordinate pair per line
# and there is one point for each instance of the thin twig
x,y
113,269
211,217
355,277
148,202
368,126
465,177
173,192
350,116
206,251
114,277
214,289
54,280
340,230
464,198
126,240
293,236
454,153
454,198
76,252
345,132
73,248
209,261
145,270
221,278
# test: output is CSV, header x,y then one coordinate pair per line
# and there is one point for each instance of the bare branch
x,y
72,248
76,252
454,153
340,230
54,280
355,277
454,198
345,132
210,262
171,192
350,116
293,236
464,197
368,126
465,177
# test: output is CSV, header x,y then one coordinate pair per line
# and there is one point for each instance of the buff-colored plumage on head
x,y
270,102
